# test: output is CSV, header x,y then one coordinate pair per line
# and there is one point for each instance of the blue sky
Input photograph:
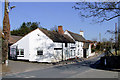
x,y
50,14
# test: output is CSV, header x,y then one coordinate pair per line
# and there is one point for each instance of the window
x,y
71,52
40,52
74,53
22,52
78,45
13,50
78,51
17,52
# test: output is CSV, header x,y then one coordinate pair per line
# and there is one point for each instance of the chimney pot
x,y
60,30
82,33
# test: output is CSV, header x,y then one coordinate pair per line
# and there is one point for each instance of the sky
x,y
50,14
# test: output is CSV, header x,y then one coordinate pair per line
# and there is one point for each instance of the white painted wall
x,y
89,51
78,45
39,41
23,44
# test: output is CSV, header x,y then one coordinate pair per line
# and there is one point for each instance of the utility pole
x,y
6,31
100,40
100,37
116,38
119,28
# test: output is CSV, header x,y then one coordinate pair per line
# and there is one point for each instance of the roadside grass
x,y
118,53
99,52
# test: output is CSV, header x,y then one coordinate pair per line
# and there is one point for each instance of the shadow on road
x,y
97,65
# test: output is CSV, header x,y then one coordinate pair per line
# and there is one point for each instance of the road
x,y
75,70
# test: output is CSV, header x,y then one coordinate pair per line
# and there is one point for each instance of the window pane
x,y
22,52
40,52
17,52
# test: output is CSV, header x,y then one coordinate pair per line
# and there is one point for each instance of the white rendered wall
x,y
23,44
39,41
89,50
78,45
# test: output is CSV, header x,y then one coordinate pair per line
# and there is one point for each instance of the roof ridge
x,y
76,36
75,33
55,36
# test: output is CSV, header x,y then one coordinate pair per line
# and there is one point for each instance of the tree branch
x,y
104,19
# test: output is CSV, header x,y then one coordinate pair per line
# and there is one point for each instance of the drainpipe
x,y
62,51
16,51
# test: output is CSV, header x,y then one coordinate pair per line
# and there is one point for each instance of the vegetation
x,y
55,28
25,28
102,46
99,10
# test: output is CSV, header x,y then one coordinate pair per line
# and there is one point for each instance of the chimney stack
x,y
60,30
82,33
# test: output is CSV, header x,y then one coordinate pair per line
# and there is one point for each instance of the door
x,y
13,54
84,53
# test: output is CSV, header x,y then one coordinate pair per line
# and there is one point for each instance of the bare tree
x,y
101,11
54,28
104,40
94,39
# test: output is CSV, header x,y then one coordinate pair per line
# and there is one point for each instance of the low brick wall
x,y
110,61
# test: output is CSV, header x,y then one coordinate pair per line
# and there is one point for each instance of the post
x,y
116,38
100,40
119,28
6,31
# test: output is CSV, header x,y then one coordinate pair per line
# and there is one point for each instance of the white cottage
x,y
42,45
83,49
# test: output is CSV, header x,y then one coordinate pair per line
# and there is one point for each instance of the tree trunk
x,y
6,31
4,51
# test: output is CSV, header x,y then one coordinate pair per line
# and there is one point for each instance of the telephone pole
x,y
116,38
100,37
100,40
119,28
6,31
